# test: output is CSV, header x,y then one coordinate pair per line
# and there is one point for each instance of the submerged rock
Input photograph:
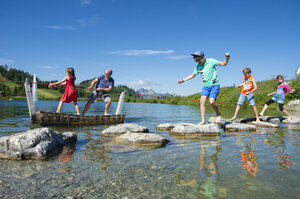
x,y
240,127
196,130
40,143
142,139
264,124
121,129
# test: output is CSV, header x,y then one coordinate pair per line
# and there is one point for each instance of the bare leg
x,y
213,103
86,108
107,106
202,109
287,113
237,109
76,107
264,109
256,113
61,103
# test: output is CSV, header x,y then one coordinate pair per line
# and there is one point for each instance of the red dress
x,y
71,92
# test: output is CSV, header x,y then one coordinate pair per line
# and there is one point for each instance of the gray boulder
x,y
223,121
196,130
40,143
240,127
294,120
121,129
293,105
169,126
142,139
264,124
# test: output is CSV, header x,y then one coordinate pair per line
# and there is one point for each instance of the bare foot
x,y
260,114
106,113
201,123
257,120
289,118
233,118
218,119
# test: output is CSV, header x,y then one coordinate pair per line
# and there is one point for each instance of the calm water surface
x,y
261,164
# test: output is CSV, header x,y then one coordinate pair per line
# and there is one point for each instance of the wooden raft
x,y
63,119
59,119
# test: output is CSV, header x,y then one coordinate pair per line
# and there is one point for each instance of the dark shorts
x,y
96,94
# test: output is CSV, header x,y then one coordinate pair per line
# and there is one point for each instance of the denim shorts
x,y
96,94
243,97
212,91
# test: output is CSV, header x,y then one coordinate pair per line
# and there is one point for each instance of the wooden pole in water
x,y
29,98
120,104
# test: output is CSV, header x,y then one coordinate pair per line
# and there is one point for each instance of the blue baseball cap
x,y
198,53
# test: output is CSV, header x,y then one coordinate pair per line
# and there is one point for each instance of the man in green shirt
x,y
211,85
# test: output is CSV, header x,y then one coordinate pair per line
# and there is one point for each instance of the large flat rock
x,y
264,124
170,126
223,121
196,130
142,139
294,120
240,127
121,129
40,143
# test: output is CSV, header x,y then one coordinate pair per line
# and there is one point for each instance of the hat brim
x,y
194,55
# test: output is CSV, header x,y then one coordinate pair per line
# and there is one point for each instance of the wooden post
x,y
29,98
120,104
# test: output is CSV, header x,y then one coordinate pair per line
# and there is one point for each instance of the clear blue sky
x,y
147,43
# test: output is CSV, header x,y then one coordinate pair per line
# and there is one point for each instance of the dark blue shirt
x,y
102,83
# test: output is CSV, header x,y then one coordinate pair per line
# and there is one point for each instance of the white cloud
x,y
86,2
82,23
141,52
6,61
135,85
178,57
49,67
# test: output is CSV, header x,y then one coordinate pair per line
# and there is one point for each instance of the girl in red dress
x,y
70,93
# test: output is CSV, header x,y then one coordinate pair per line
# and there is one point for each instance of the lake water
x,y
261,164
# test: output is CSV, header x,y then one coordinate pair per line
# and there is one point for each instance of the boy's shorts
x,y
212,91
243,97
96,94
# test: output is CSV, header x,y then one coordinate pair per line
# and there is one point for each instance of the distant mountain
x,y
153,94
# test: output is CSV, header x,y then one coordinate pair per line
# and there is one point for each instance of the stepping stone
x,y
121,129
196,130
169,126
264,124
294,120
165,127
240,127
40,143
223,121
142,139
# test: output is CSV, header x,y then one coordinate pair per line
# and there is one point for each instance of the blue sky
x,y
147,43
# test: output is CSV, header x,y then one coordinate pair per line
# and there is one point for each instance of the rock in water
x,y
196,130
40,143
240,127
294,120
264,124
223,121
142,139
121,129
169,126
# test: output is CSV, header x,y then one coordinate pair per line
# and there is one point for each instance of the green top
x,y
208,72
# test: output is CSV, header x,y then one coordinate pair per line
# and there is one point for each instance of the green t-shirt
x,y
208,72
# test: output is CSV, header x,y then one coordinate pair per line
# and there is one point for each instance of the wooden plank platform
x,y
63,119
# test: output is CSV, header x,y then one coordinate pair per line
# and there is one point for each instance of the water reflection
x,y
205,183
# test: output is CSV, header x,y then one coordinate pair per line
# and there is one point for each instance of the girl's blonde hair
x,y
71,72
